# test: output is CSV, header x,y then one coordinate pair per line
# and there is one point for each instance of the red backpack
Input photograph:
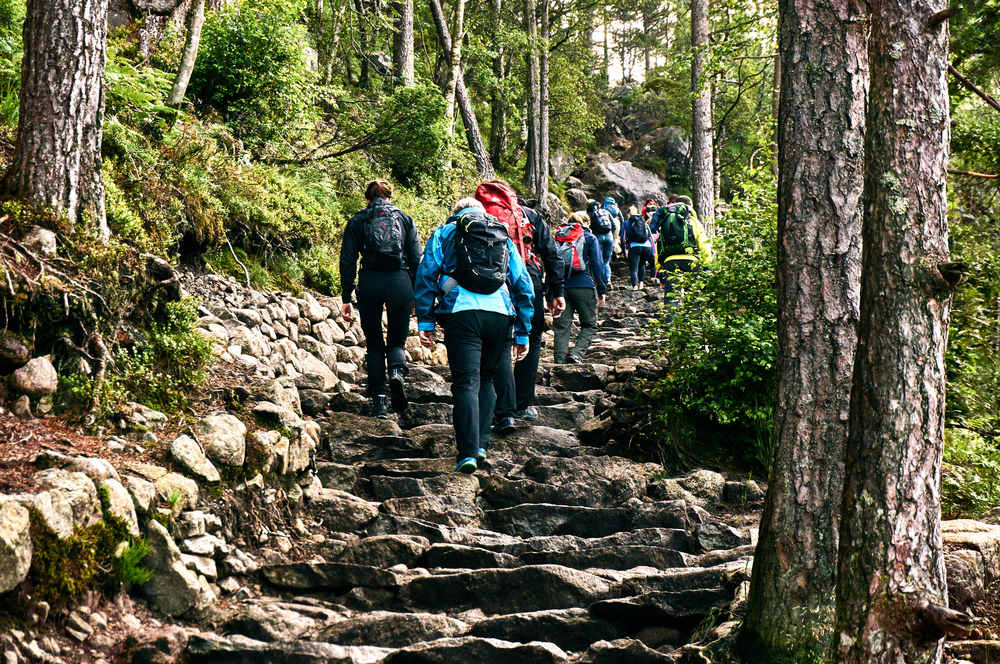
x,y
501,203
570,243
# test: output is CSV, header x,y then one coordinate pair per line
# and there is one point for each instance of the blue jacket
x,y
593,277
625,227
439,261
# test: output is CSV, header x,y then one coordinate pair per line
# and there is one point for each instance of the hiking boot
x,y
505,426
399,401
482,454
467,466
380,408
573,359
529,414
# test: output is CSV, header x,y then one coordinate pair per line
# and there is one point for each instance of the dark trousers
x,y
638,256
582,301
670,298
392,291
607,248
475,341
515,385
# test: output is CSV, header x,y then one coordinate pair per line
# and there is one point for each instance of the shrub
x,y
722,344
971,466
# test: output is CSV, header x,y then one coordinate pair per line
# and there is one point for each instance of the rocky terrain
x,y
285,526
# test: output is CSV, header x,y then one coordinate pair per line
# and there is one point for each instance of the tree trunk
x,y
498,101
775,101
454,64
338,18
402,51
57,162
472,133
702,171
891,566
820,133
542,186
195,19
533,92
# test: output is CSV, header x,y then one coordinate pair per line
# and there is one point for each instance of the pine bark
x,y
534,101
821,125
891,565
702,171
402,52
57,162
195,21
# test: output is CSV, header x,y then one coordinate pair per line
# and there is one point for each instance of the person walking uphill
x,y
602,225
584,287
637,239
681,246
473,282
515,384
387,242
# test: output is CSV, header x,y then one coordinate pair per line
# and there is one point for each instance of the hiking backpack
x,y
384,238
601,221
638,230
570,242
501,203
481,254
676,233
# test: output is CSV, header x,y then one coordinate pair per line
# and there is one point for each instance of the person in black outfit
x,y
515,385
386,239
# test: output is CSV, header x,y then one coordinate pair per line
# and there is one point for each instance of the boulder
x,y
705,485
577,199
15,545
579,377
568,416
313,402
41,241
385,551
626,183
189,454
342,512
181,492
392,630
271,622
224,438
173,589
975,536
77,490
36,378
499,591
624,651
120,503
14,352
966,578
666,146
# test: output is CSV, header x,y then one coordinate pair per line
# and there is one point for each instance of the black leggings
x,y
638,256
394,292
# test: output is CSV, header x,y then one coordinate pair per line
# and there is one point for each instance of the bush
x,y
252,68
971,466
721,347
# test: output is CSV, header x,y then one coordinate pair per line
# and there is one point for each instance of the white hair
x,y
466,203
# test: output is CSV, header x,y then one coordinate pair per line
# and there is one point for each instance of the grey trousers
x,y
582,301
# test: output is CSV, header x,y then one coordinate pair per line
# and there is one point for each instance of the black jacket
x,y
354,241
545,247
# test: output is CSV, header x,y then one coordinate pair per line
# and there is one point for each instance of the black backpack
x,y
638,230
384,238
676,233
601,222
481,254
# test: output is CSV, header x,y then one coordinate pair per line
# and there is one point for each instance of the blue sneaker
x,y
467,466
482,454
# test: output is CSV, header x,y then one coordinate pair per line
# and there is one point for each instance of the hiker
x,y
649,209
602,225
618,220
386,240
638,241
515,383
584,287
472,282
682,244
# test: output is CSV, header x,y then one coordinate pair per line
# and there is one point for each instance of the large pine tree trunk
x,y
821,123
702,171
534,100
891,565
58,158
454,63
195,21
402,52
542,186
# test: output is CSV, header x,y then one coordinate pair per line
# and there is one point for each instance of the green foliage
x,y
411,133
252,69
971,466
162,372
722,344
127,566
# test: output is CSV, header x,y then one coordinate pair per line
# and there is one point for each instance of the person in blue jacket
x,y
584,292
639,252
476,329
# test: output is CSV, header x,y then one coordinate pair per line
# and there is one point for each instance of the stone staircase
x,y
554,551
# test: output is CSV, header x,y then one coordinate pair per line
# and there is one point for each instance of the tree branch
x,y
993,103
971,174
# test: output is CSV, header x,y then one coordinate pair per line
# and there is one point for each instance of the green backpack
x,y
677,235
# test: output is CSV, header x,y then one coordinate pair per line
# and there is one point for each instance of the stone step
x,y
572,630
386,629
473,649
208,648
540,519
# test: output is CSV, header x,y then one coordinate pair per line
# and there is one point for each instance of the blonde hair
x,y
632,212
581,218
